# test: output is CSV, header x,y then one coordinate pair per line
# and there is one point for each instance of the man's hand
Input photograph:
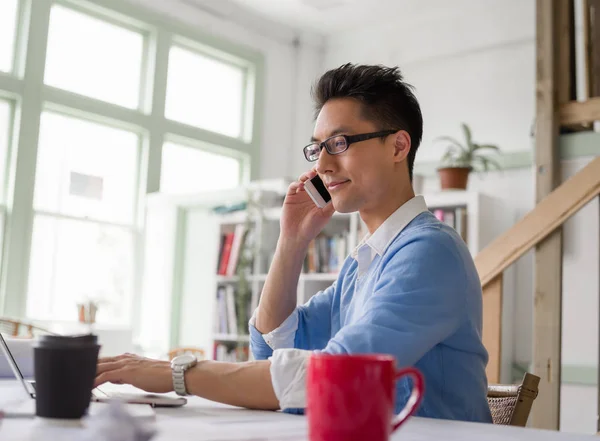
x,y
301,219
144,373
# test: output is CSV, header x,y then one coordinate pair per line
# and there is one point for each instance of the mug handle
x,y
415,397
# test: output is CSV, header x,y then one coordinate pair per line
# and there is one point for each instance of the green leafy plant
x,y
468,154
248,254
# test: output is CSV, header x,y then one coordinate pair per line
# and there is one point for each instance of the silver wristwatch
x,y
179,365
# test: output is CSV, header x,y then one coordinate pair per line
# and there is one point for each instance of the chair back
x,y
199,353
20,329
510,404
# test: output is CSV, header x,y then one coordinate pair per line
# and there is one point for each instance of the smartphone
x,y
317,191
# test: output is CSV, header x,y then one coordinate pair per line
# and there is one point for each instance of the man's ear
x,y
401,145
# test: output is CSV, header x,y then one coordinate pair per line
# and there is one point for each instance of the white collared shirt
x,y
380,240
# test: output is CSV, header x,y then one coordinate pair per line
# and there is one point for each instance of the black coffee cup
x,y
65,369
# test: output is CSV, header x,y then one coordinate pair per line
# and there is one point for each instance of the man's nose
x,y
324,162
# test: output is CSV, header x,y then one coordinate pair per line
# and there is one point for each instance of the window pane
x,y
94,58
86,169
8,27
189,170
5,125
204,92
73,261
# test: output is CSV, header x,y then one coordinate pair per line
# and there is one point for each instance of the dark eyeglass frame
x,y
350,139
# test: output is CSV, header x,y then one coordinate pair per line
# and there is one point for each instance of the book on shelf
x,y
230,352
238,241
326,254
221,314
455,217
231,245
228,319
224,253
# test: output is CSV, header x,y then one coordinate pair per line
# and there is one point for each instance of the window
x,y
5,133
8,28
189,170
95,58
84,210
205,92
89,142
86,170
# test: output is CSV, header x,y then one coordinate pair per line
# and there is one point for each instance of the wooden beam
x,y
598,371
564,63
552,81
547,328
546,217
587,50
593,49
492,327
567,89
573,113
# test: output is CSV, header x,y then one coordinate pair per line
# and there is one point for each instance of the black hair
x,y
386,98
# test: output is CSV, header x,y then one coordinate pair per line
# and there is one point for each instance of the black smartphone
x,y
317,191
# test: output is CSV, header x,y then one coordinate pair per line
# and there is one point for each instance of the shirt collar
x,y
381,239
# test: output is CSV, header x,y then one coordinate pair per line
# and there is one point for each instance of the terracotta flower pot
x,y
454,178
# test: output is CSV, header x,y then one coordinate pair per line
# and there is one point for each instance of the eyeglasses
x,y
339,144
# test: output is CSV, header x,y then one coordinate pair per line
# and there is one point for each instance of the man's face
x,y
361,178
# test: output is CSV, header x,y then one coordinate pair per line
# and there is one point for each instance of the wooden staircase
x,y
558,110
536,226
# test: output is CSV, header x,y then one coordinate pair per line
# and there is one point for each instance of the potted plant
x,y
460,159
247,256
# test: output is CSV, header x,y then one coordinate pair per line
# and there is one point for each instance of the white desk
x,y
202,420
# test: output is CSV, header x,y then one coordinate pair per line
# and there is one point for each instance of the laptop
x,y
98,395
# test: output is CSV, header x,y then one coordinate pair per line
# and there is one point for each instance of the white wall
x,y
461,56
580,415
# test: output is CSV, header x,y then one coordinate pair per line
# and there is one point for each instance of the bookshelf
x,y
184,237
484,216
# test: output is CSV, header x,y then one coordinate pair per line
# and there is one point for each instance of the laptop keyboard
x,y
96,392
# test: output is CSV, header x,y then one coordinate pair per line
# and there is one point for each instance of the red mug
x,y
352,397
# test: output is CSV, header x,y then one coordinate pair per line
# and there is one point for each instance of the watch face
x,y
183,360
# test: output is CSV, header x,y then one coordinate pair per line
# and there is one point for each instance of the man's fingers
x,y
115,377
293,188
298,186
100,379
108,359
308,175
328,209
117,358
110,366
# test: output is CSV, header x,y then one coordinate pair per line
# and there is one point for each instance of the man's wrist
x,y
193,377
168,375
292,245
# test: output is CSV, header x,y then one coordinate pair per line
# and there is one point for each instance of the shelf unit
x,y
231,337
183,237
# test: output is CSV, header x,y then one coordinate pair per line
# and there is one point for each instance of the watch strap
x,y
179,381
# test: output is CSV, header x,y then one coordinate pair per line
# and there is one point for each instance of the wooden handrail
x,y
580,112
549,214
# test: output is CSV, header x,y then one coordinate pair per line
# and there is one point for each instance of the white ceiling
x,y
324,17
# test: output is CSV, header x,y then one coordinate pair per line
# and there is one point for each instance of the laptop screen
x,y
12,362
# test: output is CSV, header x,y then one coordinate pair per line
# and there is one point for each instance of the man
x,y
410,288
